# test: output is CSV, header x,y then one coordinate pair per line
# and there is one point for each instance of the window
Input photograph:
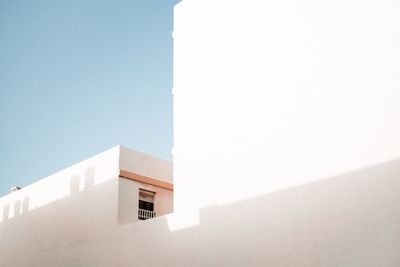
x,y
146,204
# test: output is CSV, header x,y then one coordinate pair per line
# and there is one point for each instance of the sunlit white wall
x,y
144,164
87,201
271,94
88,173
91,172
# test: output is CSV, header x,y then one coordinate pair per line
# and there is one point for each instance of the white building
x,y
286,114
285,149
86,202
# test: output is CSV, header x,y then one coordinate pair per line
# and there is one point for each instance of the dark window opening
x,y
146,204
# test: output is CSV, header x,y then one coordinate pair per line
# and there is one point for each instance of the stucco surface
x,y
347,220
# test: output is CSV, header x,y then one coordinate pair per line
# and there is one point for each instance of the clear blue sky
x,y
79,77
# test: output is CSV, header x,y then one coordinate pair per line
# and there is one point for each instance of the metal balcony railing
x,y
146,214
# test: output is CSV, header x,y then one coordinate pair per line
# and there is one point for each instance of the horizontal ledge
x,y
146,180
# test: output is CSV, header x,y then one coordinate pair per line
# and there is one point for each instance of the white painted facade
x,y
272,94
87,201
274,97
285,149
348,220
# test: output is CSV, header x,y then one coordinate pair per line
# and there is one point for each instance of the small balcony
x,y
146,214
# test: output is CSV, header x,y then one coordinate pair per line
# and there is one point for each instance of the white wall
x,y
128,200
272,94
128,190
70,207
144,164
65,183
82,204
348,220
